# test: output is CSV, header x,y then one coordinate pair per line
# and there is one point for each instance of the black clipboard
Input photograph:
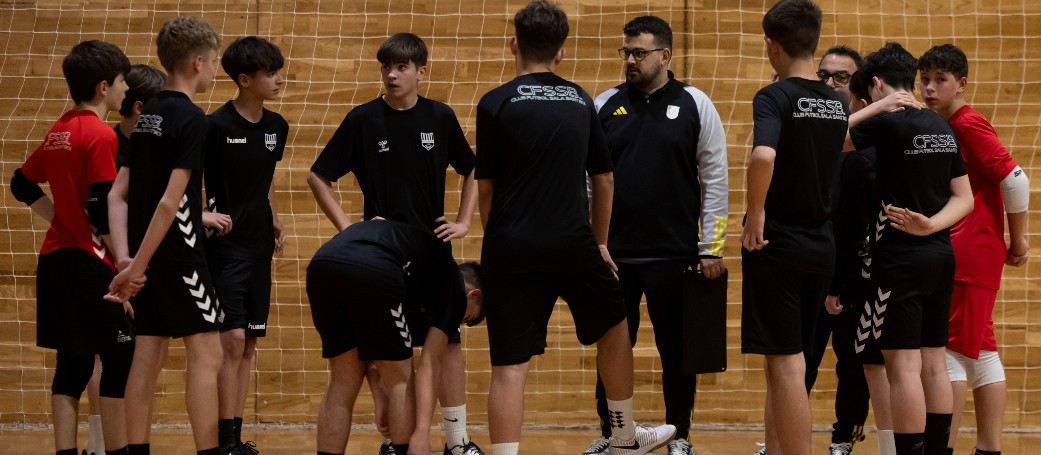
x,y
704,323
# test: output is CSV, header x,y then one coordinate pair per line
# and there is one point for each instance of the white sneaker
x,y
842,448
599,446
762,449
680,447
645,440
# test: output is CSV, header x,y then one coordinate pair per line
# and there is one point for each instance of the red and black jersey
x,y
79,150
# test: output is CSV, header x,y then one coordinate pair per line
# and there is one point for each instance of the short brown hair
x,y
795,25
182,38
541,30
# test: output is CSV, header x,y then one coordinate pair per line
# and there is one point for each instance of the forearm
x,y
162,218
273,202
603,196
484,199
1017,228
117,222
44,208
959,205
467,200
759,175
324,195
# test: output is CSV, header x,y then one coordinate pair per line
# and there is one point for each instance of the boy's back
x,y
917,159
538,137
805,122
170,135
79,151
399,158
240,165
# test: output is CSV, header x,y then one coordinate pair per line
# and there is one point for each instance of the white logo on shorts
x,y
399,321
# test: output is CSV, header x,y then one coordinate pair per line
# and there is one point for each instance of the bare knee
x,y
233,343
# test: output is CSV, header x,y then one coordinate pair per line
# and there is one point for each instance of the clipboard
x,y
704,323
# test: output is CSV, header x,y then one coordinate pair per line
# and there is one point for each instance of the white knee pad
x,y
979,372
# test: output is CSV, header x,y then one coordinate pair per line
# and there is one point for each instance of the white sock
x,y
506,448
95,438
886,443
453,423
621,415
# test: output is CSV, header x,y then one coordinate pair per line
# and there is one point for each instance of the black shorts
x,y
518,307
178,300
859,301
913,300
359,307
244,288
779,305
71,312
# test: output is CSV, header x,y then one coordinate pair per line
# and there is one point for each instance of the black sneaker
x,y
248,448
466,449
386,448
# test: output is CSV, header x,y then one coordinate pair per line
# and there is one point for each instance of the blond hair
x,y
182,38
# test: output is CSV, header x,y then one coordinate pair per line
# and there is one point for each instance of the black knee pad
x,y
71,374
115,367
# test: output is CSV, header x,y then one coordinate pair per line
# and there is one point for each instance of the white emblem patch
x,y
672,112
427,139
383,146
270,140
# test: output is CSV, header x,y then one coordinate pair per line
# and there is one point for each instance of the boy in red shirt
x,y
78,160
998,185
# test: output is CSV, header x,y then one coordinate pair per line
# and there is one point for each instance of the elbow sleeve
x,y
25,190
1015,189
97,206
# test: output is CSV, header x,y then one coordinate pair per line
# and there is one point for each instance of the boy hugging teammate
x,y
156,221
245,143
788,252
78,160
922,189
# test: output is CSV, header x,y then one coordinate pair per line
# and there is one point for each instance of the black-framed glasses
x,y
841,77
638,54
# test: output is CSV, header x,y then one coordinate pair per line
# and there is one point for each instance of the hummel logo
x,y
122,338
620,111
383,146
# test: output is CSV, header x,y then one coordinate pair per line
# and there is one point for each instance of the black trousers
x,y
851,397
661,282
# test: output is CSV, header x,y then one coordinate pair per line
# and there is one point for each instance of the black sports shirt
x,y
918,156
124,148
240,163
170,134
537,137
399,158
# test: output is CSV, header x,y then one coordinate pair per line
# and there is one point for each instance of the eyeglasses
x,y
638,54
841,77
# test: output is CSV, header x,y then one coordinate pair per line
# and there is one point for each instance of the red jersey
x,y
979,238
80,150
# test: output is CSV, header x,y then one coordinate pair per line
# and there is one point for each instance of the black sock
x,y
937,433
984,452
238,429
329,453
400,448
909,443
139,449
226,433
213,451
950,451
120,451
66,452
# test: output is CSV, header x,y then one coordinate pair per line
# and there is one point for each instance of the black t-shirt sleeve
x,y
766,115
460,156
869,132
213,171
334,161
958,168
193,143
486,158
283,134
598,159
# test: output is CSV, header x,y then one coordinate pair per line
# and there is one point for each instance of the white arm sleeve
x,y
712,172
1016,191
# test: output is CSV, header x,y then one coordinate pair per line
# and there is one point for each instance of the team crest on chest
x,y
672,112
427,139
270,140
